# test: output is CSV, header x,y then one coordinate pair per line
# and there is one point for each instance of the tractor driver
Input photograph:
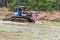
x,y
18,13
24,13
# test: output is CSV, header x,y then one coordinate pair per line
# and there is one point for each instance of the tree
x,y
13,4
44,5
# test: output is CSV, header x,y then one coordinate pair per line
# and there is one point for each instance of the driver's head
x,y
20,9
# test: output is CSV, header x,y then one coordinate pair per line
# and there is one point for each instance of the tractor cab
x,y
19,11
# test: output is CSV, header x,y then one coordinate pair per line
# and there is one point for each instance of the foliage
x,y
12,4
44,5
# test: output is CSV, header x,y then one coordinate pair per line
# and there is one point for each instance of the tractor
x,y
20,15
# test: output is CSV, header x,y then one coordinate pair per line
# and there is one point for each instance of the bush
x,y
13,4
43,5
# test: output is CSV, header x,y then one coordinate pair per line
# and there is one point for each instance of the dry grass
x,y
50,15
45,31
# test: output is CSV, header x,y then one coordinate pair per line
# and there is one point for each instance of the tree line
x,y
43,5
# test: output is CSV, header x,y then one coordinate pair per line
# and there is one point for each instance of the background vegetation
x,y
44,5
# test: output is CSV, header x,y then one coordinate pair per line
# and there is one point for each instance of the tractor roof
x,y
20,6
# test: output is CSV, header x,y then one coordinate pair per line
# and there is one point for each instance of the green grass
x,y
58,20
49,21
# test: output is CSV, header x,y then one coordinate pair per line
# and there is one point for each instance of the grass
x,y
49,21
58,20
3,31
22,35
25,35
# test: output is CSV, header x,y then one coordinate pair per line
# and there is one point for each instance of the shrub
x,y
13,4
